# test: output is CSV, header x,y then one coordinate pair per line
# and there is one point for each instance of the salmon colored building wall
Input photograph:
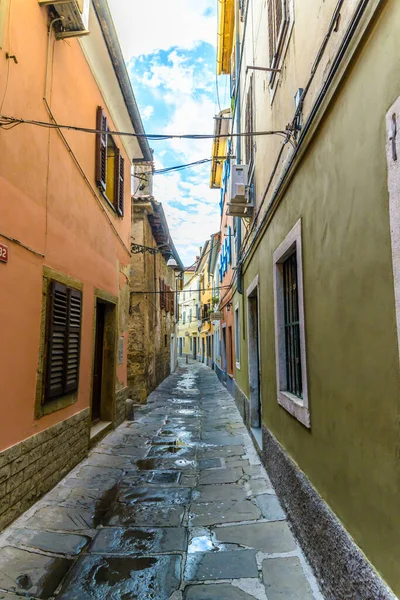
x,y
47,204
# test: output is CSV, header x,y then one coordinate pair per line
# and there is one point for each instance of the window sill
x,y
55,405
295,407
109,204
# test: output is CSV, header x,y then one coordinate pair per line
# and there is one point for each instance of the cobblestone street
x,y
173,505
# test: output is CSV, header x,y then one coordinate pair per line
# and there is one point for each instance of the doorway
x,y
104,362
180,346
203,351
254,359
194,348
223,353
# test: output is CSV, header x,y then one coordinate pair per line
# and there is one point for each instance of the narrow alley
x,y
173,505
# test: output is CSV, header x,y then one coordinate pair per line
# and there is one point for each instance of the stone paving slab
x,y
221,565
220,591
140,541
172,506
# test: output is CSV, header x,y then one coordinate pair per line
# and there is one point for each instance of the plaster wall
x,y
50,203
340,193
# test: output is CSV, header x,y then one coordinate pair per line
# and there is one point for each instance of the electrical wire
x,y
6,121
180,292
203,161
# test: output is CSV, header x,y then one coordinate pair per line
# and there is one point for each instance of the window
x,y
110,165
184,318
290,347
292,326
278,22
249,126
63,341
237,337
190,315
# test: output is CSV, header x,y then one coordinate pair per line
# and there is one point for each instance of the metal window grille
x,y
292,326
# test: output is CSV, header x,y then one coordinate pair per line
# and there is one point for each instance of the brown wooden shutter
x,y
65,323
74,341
281,23
57,340
172,301
271,33
101,149
162,299
119,183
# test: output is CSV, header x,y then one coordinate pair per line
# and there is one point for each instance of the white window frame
x,y
298,407
237,335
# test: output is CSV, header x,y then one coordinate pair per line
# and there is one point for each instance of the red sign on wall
x,y
3,253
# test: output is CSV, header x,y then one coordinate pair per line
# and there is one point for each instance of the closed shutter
x,y
271,33
172,301
281,23
119,183
65,323
101,149
57,340
74,339
162,296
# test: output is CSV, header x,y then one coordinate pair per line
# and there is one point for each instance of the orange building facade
x,y
65,229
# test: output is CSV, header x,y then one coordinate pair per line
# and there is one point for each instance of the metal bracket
x,y
267,69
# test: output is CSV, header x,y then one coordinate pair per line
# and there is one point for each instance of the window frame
x,y
236,320
296,406
116,201
282,40
42,405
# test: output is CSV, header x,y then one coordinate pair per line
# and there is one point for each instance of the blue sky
x,y
169,48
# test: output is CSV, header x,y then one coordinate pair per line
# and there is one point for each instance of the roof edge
x,y
107,26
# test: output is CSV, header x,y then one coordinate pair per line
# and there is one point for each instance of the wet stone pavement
x,y
174,505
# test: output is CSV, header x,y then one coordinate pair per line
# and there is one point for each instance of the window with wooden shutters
x,y
278,21
64,336
119,183
101,150
162,294
110,165
249,125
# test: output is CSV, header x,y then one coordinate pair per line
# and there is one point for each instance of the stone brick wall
x,y
120,405
31,468
149,326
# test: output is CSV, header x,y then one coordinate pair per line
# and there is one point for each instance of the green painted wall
x,y
351,455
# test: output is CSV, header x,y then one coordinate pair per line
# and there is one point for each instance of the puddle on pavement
x,y
142,495
125,578
165,477
159,464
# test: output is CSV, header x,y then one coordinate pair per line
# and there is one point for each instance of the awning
x,y
226,24
219,149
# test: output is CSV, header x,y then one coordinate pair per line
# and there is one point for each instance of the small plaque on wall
x,y
3,253
121,350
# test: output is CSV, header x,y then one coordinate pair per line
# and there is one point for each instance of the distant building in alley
x,y
153,309
65,240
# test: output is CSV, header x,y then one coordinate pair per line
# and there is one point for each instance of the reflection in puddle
x,y
203,543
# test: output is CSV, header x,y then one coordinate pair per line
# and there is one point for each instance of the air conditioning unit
x,y
75,15
238,204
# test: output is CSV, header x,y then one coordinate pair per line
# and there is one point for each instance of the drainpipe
x,y
238,131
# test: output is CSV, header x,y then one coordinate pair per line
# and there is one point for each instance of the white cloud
x,y
145,27
189,230
147,112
